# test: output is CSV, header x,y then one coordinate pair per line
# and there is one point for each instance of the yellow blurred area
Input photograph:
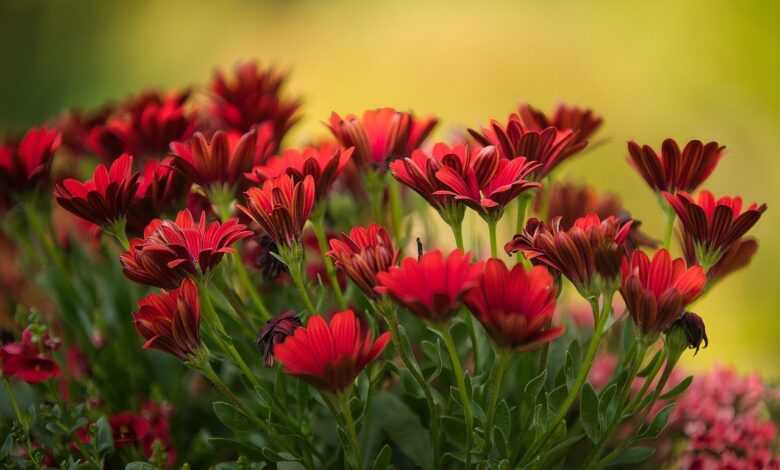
x,y
700,69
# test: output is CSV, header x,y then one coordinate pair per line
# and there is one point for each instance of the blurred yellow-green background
x,y
698,69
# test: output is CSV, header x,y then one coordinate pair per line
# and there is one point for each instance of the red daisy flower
x,y
170,321
362,254
486,183
331,355
128,429
381,135
76,126
275,331
549,147
252,97
432,287
144,126
711,226
656,292
515,307
27,360
160,186
324,164
221,160
24,165
674,170
588,254
281,207
173,250
584,122
105,198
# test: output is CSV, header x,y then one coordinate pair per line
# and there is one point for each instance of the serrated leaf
x,y
678,389
232,417
383,459
589,413
633,455
104,439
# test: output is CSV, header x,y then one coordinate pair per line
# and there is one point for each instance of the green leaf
x,y
403,427
608,405
382,461
678,389
503,418
8,444
659,422
633,455
104,439
650,365
232,417
140,466
589,412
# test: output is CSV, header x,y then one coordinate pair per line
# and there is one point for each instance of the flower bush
x,y
182,288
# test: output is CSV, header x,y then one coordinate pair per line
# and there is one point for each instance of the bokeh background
x,y
695,69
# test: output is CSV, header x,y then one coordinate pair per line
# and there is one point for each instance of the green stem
x,y
457,369
22,421
294,258
396,217
38,227
349,422
318,224
522,210
457,233
493,241
249,288
504,357
671,215
297,277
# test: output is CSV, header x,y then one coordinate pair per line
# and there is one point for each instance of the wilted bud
x,y
693,327
274,332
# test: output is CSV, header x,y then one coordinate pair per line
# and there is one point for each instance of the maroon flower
x,y
128,429
548,147
693,327
275,331
674,170
737,256
324,164
252,97
656,292
362,254
588,254
584,122
712,226
25,165
221,160
486,183
281,207
28,360
331,355
170,321
259,252
160,187
381,135
433,286
173,250
104,199
76,126
515,307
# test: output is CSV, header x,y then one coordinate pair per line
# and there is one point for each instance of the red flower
x,y
588,254
486,183
144,126
251,98
76,126
128,429
170,321
324,164
158,416
362,254
24,165
160,186
106,197
656,292
281,207
548,147
27,360
275,331
432,287
584,122
515,307
381,135
711,226
330,356
736,257
173,250
674,170
221,160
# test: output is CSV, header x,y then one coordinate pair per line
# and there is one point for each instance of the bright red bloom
x,y
656,292
24,165
381,135
252,97
486,183
160,186
221,160
674,170
515,307
549,147
275,331
106,197
27,360
330,356
170,321
173,250
584,122
324,164
143,126
588,254
432,287
364,253
128,429
711,226
281,207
